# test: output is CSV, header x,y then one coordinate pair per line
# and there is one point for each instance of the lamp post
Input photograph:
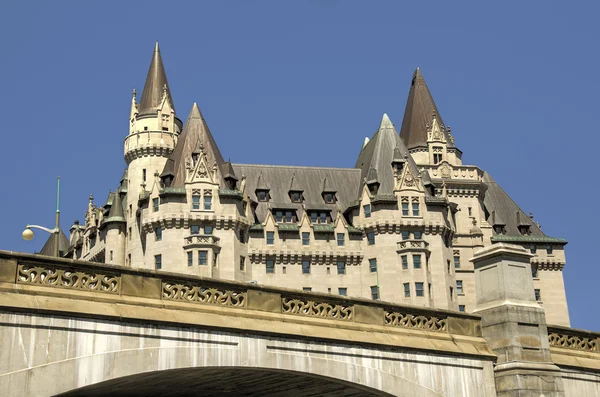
x,y
28,233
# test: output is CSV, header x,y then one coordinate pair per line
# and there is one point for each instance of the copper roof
x,y
419,111
155,83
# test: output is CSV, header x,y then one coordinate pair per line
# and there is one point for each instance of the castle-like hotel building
x,y
400,226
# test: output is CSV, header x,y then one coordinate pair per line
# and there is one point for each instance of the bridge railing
x,y
110,280
574,339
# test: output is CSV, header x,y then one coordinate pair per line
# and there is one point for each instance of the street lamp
x,y
28,233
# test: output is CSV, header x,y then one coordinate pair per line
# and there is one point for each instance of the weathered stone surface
x,y
146,287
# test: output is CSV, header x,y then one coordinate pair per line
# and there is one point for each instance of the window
x,y
208,229
283,269
343,291
437,157
279,216
207,203
296,197
371,238
202,257
375,292
155,204
538,295
190,256
242,236
367,210
534,271
305,266
306,289
328,271
314,217
461,308
418,235
194,229
470,211
549,249
415,209
305,238
533,248
405,209
459,286
270,238
111,255
404,262
372,265
456,262
323,217
130,210
340,239
262,195
451,293
215,256
144,174
129,234
158,233
407,290
448,267
405,235
157,262
419,289
195,202
417,261
429,290
243,263
129,259
329,198
341,267
270,266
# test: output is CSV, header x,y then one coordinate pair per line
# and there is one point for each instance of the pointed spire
x,y
156,85
227,171
116,209
386,123
134,107
195,135
419,112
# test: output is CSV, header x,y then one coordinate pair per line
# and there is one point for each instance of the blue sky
x,y
303,83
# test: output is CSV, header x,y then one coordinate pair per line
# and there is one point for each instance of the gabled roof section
x,y
375,159
261,184
194,134
327,186
227,170
502,210
63,244
294,185
155,83
419,111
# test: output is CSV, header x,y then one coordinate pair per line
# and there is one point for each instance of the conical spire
x,y
194,134
419,112
156,81
116,210
261,184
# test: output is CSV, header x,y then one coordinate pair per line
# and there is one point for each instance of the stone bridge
x,y
74,328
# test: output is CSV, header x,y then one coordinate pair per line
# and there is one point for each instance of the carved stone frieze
x,y
573,342
64,278
316,309
408,320
198,294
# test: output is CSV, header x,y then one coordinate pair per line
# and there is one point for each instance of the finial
x,y
433,115
91,198
134,93
531,215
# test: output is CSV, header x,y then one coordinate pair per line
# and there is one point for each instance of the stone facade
x,y
400,226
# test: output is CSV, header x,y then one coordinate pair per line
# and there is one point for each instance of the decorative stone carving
x,y
573,342
408,320
64,278
316,309
446,171
200,294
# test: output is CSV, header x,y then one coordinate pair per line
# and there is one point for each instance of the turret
x,y
153,132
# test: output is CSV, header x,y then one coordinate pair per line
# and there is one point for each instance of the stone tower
x,y
153,132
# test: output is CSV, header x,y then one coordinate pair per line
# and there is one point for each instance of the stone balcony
x,y
200,241
412,245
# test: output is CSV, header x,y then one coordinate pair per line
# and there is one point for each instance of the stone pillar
x,y
513,324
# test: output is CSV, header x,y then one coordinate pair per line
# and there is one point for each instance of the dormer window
x,y
373,188
437,155
231,183
499,229
329,198
319,217
167,180
282,216
262,195
296,196
524,230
